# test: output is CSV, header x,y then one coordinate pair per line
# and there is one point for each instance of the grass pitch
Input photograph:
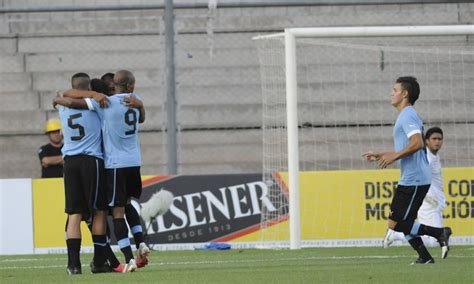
x,y
319,265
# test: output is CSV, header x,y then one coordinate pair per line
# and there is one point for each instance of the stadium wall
x,y
218,86
227,208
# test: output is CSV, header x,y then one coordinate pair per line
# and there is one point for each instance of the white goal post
x,y
290,36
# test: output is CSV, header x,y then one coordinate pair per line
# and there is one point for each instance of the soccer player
x,y
431,211
415,178
122,161
108,78
100,87
84,179
50,154
81,81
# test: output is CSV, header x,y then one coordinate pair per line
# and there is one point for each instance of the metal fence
x,y
217,83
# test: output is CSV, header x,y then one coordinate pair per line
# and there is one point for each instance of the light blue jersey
x,y
120,132
82,132
415,169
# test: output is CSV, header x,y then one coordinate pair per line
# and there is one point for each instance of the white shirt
x,y
436,188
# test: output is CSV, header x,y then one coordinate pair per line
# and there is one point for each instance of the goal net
x,y
326,101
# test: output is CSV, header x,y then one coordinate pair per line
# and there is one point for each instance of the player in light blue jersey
x,y
120,130
77,140
415,178
84,179
120,123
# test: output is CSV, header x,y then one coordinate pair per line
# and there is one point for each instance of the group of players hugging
x,y
100,120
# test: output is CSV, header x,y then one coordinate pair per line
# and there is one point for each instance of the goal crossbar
x,y
375,31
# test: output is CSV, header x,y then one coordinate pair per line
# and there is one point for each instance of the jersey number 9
x,y
131,119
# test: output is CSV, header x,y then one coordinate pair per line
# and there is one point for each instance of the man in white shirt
x,y
431,211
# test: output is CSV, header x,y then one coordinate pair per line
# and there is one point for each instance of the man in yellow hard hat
x,y
50,154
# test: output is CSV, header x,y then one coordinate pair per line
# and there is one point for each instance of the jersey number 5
x,y
131,119
76,126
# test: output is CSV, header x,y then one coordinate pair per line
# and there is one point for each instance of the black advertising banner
x,y
209,208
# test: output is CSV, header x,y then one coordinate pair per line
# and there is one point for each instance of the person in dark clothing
x,y
50,154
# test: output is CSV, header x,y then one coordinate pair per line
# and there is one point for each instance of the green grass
x,y
320,265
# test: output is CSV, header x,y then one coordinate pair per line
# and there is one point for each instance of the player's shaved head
x,y
80,81
124,81
124,77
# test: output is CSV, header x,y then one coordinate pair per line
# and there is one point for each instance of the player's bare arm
x,y
51,161
132,101
372,156
415,142
80,94
70,103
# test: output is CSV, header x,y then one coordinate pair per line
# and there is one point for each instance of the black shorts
x,y
406,202
123,183
84,185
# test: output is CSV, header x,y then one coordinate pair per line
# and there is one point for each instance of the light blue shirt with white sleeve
x,y
415,169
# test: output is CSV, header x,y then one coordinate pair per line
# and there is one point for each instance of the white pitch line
x,y
241,261
29,259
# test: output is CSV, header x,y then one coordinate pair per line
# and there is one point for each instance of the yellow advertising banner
x,y
356,204
49,218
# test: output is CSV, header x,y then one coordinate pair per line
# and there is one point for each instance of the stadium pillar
x,y
171,129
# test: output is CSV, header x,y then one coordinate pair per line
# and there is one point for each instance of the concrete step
x,y
61,80
89,62
8,45
20,156
220,137
89,44
220,168
184,43
20,100
221,94
22,121
88,25
202,116
12,63
15,82
224,75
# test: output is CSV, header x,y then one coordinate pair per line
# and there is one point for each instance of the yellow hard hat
x,y
53,124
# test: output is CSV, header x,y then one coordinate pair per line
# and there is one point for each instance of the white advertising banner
x,y
16,217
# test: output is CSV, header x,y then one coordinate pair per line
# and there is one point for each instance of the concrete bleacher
x,y
218,90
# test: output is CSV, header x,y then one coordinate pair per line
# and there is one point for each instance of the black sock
x,y
133,220
100,242
74,250
68,252
417,244
68,257
430,231
121,233
110,255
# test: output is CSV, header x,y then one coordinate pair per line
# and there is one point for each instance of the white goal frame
x,y
290,35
